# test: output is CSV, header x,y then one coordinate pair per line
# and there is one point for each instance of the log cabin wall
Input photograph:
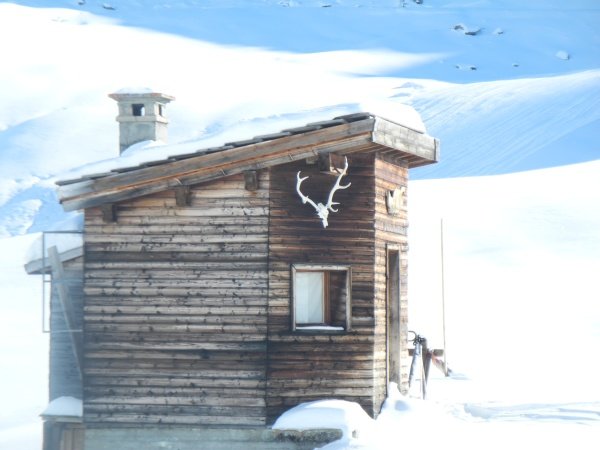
x,y
390,233
311,365
176,308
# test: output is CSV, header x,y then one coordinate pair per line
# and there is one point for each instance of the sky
x,y
515,189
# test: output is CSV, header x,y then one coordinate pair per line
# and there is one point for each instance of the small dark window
x,y
160,110
137,109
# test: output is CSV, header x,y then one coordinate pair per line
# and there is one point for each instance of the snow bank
x,y
414,423
340,414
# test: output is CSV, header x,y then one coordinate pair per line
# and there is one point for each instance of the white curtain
x,y
309,297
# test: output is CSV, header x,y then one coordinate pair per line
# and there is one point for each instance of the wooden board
x,y
175,318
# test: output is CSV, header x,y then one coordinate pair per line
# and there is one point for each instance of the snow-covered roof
x,y
64,408
134,90
344,134
66,236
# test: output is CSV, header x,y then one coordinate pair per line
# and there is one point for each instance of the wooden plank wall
x,y
305,366
65,380
176,308
390,229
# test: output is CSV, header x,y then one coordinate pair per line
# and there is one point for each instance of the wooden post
x,y
443,295
426,355
109,212
183,196
330,163
52,435
250,180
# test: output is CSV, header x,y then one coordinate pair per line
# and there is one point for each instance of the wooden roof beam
x,y
363,135
409,141
90,197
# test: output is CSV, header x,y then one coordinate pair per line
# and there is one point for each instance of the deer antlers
x,y
323,210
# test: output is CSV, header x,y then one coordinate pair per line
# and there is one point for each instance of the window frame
x,y
326,269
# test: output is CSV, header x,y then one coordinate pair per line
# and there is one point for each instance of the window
x,y
137,109
321,297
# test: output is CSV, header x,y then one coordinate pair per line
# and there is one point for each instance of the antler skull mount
x,y
321,209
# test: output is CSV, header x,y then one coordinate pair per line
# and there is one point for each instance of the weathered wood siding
x,y
305,366
389,230
176,308
65,379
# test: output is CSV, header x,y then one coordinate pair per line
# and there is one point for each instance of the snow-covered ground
x,y
521,258
506,85
413,423
23,349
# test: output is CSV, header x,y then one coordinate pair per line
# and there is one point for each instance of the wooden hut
x,y
215,295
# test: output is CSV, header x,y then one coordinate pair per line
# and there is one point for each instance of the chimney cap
x,y
138,93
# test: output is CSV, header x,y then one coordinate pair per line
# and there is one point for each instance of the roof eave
x,y
40,266
362,135
420,149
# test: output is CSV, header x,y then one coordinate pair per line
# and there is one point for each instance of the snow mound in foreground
x,y
340,414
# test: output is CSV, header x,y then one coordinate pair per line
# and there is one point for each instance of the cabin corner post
x,y
391,299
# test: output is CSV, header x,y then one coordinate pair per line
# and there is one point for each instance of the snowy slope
x,y
508,32
542,113
521,249
506,126
521,258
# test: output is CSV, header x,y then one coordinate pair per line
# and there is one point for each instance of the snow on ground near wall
x,y
521,258
23,349
340,414
407,422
